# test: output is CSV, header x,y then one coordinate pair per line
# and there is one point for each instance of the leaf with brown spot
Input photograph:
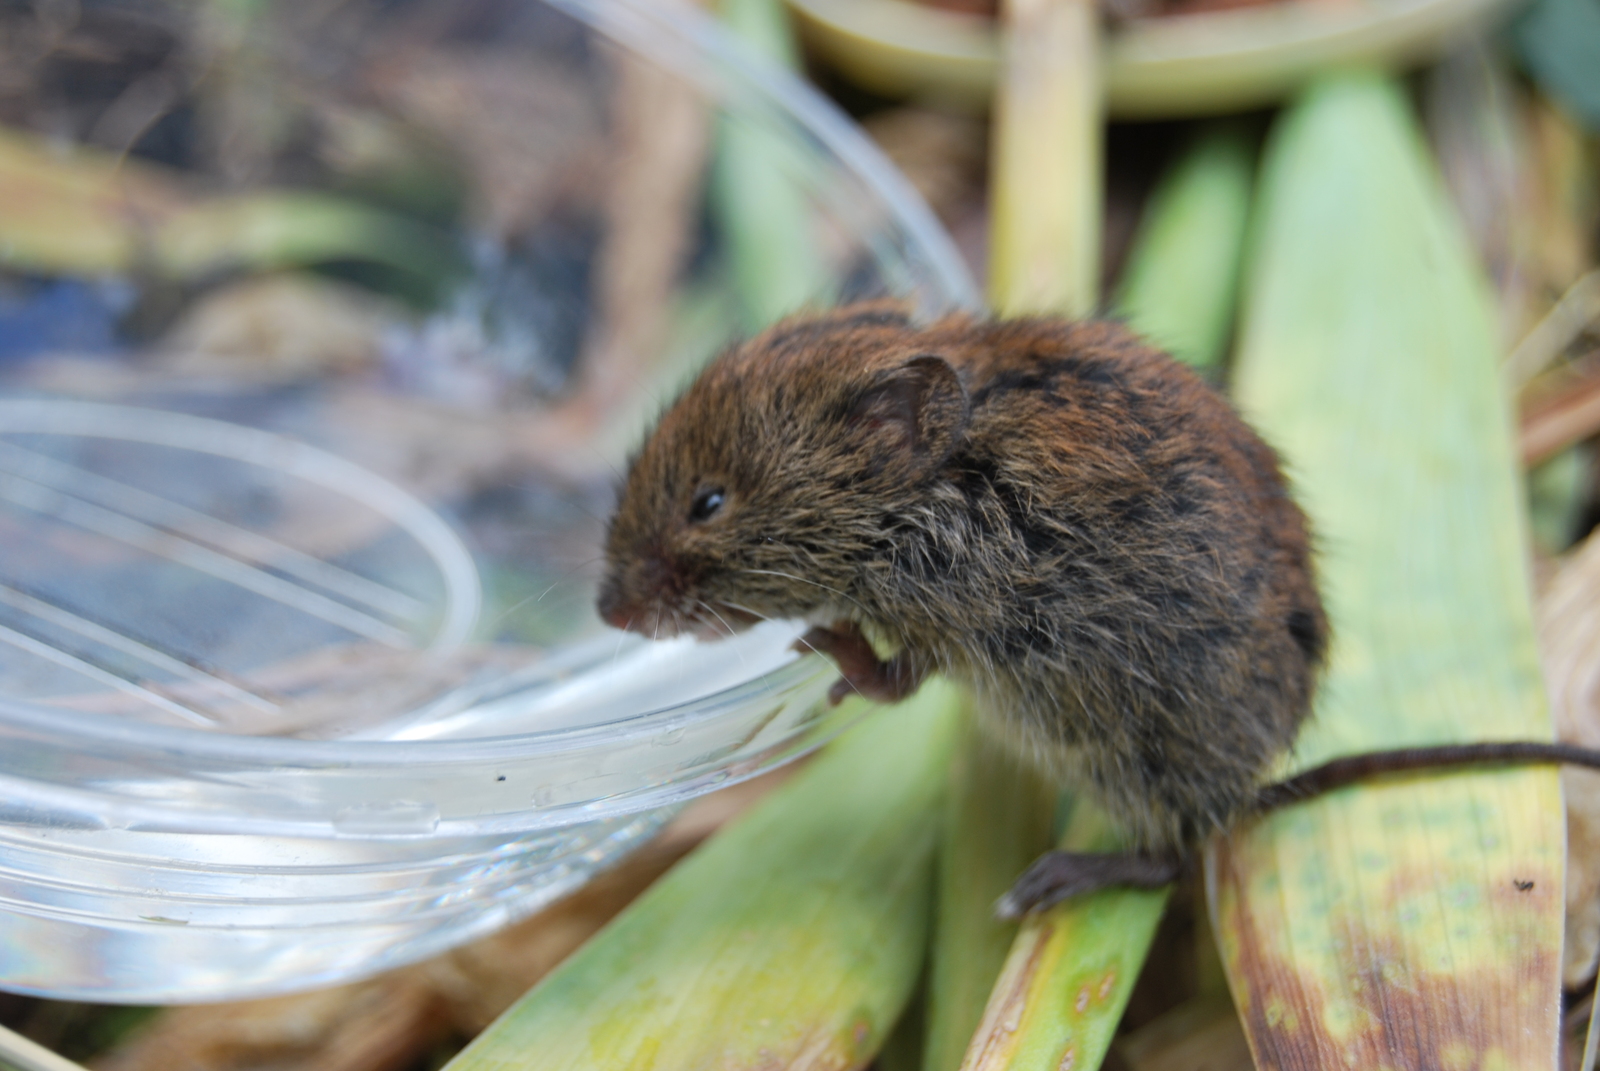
x,y
998,818
1387,925
1071,969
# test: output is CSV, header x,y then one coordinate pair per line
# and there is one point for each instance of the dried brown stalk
x,y
1568,620
659,150
1565,416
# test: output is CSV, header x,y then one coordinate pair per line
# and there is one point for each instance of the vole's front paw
x,y
860,669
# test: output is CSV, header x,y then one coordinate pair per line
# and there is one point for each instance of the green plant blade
x,y
89,213
1414,922
791,939
759,194
278,229
764,26
1071,970
1044,220
998,818
1181,284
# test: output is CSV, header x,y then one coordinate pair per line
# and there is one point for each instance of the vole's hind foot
x,y
861,671
1055,876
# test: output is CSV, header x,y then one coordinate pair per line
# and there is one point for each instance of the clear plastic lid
x,y
311,549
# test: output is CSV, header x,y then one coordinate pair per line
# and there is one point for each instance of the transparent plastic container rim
x,y
697,49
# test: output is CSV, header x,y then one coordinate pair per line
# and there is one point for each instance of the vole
x,y
1054,513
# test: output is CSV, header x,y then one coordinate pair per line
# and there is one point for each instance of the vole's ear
x,y
919,410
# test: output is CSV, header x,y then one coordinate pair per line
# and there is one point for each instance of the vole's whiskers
x,y
805,580
814,649
566,577
713,612
607,462
730,631
744,610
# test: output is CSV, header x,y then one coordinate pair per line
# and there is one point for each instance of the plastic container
x,y
300,674
1171,67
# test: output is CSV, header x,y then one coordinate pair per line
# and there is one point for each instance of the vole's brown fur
x,y
1052,512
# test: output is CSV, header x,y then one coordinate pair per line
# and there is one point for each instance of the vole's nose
x,y
614,609
631,597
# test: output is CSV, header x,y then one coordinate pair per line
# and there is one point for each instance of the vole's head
x,y
764,489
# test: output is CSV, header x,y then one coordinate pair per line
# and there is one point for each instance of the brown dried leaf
x,y
520,124
1565,411
942,153
1203,1034
662,128
376,1025
279,327
1568,620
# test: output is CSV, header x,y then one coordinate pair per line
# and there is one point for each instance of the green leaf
x,y
1071,970
998,819
1045,169
85,212
1413,922
1181,284
792,938
759,179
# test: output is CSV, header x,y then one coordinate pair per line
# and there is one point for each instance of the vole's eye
x,y
706,504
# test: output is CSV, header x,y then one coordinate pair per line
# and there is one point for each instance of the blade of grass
x,y
1067,980
284,228
1412,923
1181,283
17,1053
90,213
1070,971
1558,495
1044,252
998,819
758,202
1549,338
791,939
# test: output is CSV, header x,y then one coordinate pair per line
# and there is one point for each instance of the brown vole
x,y
1054,513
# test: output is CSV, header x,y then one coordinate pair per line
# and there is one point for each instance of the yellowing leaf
x,y
790,940
1414,922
